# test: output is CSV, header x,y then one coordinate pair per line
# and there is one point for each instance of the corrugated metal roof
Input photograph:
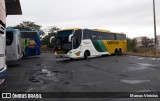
x,y
13,7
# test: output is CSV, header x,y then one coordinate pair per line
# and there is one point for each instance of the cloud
x,y
133,17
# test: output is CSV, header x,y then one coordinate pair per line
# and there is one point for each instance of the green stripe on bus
x,y
97,46
103,47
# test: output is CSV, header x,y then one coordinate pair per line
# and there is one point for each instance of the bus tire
x,y
120,52
86,54
24,56
71,59
116,52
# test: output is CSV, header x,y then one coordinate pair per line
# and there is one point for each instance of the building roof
x,y
13,7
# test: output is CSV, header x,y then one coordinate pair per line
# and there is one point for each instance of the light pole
x,y
155,31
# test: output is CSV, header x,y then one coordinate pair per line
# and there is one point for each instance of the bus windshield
x,y
28,34
62,40
30,43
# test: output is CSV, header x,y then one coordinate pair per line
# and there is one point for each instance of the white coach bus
x,y
7,7
83,43
2,41
13,44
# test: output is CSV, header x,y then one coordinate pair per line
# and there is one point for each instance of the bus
x,y
3,66
30,43
84,43
13,45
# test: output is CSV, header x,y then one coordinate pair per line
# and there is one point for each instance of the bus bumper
x,y
3,74
62,55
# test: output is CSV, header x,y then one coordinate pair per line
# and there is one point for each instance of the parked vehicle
x,y
84,43
13,44
30,43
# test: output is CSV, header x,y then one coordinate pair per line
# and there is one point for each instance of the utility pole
x,y
155,31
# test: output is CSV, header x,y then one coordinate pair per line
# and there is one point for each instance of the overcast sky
x,y
133,17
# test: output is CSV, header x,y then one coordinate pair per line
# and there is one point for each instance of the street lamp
x,y
155,31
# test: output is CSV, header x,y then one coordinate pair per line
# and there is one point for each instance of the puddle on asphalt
x,y
43,75
145,64
137,68
134,81
141,58
140,66
154,59
35,80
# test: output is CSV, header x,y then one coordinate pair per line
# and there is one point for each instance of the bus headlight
x,y
70,52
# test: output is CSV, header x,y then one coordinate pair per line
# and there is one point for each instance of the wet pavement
x,y
103,74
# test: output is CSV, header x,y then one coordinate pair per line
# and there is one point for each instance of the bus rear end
x,y
13,44
30,43
2,41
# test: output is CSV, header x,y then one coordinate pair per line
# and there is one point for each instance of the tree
x,y
131,44
28,25
146,42
53,29
46,40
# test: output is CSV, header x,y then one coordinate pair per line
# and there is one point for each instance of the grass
x,y
145,52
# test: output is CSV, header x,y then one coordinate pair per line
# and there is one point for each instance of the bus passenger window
x,y
120,36
86,34
9,38
94,35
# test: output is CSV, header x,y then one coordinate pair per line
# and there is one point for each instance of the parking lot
x,y
102,74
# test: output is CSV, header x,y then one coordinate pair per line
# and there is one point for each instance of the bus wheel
x,y
86,54
120,52
24,56
116,52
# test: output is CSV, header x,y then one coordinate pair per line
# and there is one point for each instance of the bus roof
x,y
29,31
38,33
70,29
13,30
99,30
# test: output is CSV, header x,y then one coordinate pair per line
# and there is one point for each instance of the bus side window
x,y
77,38
99,35
86,34
94,35
108,36
120,36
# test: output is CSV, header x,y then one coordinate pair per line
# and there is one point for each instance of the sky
x,y
132,17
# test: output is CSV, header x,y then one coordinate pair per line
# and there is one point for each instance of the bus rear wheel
x,y
120,52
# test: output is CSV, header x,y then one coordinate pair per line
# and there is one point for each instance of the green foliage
x,y
131,45
28,25
46,40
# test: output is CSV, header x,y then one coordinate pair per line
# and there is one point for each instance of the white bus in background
x,y
2,41
13,44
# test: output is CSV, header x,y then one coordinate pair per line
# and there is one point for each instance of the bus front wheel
x,y
116,52
86,54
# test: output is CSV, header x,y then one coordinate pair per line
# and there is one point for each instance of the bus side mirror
x,y
53,37
70,38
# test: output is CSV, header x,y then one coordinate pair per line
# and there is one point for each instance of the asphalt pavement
x,y
102,74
